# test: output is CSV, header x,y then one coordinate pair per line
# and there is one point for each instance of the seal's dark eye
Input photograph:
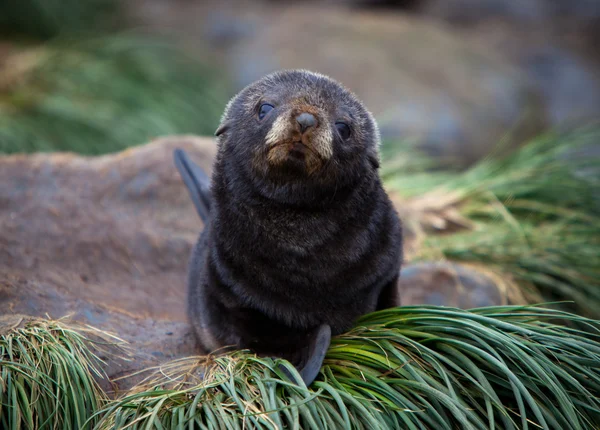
x,y
343,130
265,108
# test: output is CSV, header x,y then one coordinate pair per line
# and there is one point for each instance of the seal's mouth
x,y
298,150
296,155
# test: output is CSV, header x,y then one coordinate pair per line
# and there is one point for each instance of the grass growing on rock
x,y
413,367
48,374
533,217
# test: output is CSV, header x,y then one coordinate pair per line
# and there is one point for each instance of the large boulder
x,y
105,240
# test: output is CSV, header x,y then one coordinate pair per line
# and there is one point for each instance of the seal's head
x,y
297,128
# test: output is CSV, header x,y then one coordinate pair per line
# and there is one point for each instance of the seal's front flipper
x,y
319,344
196,181
313,355
389,296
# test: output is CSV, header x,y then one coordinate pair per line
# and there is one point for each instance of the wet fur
x,y
286,249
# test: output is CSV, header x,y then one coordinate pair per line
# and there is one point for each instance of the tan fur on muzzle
x,y
284,133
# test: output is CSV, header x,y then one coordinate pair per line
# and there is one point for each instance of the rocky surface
x,y
103,239
107,239
454,285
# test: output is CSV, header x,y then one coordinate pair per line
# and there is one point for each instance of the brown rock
x,y
106,239
454,285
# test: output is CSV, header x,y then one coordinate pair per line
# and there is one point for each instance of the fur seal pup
x,y
300,237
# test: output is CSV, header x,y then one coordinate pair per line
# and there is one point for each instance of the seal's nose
x,y
306,120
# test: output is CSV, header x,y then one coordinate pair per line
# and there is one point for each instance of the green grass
x,y
413,367
48,374
543,178
533,217
101,95
552,261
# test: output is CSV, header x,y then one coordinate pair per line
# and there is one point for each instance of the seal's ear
x,y
222,128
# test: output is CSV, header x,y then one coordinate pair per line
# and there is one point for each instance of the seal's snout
x,y
306,121
299,137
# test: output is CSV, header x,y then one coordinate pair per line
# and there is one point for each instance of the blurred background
x,y
458,78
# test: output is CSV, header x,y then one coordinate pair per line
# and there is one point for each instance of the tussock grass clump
x,y
47,375
549,261
413,367
533,217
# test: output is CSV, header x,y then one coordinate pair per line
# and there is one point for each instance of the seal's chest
x,y
290,230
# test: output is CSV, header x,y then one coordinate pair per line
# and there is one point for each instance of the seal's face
x,y
299,126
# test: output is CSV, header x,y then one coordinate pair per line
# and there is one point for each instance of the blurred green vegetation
x,y
44,19
104,94
92,90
